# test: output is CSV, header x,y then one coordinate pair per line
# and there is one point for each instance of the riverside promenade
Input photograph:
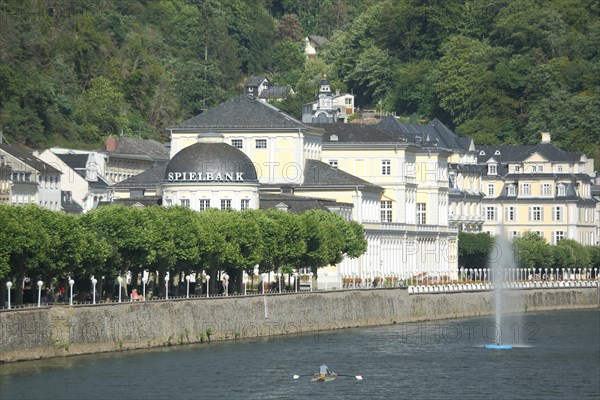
x,y
63,330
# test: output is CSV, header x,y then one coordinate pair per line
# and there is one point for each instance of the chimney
x,y
111,144
337,92
546,137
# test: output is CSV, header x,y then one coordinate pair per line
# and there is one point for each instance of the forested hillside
x,y
500,71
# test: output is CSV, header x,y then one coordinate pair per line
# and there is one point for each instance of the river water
x,y
555,355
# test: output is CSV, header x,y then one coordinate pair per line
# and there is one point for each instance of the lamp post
x,y
295,282
8,286
244,281
120,280
144,281
264,278
310,275
207,285
167,287
187,282
325,275
94,281
279,274
71,283
39,285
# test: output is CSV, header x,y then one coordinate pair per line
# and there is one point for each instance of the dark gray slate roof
x,y
255,80
274,92
520,153
135,146
570,195
242,112
148,201
435,133
28,158
356,133
318,173
150,178
319,40
298,204
218,158
74,160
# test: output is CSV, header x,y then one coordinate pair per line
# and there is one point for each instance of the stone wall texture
x,y
34,333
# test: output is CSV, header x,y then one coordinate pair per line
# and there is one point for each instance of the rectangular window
x,y
490,189
421,213
492,169
517,168
526,189
511,213
237,143
386,211
557,213
539,233
348,101
558,236
386,167
204,204
185,203
490,213
261,143
245,204
546,189
540,168
513,234
560,190
560,168
536,213
511,190
225,204
333,163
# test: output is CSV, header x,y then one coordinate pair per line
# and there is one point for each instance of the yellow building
x,y
397,189
538,188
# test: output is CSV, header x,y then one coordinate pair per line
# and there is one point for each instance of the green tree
x,y
533,251
474,249
101,110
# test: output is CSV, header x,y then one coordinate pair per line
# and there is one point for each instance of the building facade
x,y
538,188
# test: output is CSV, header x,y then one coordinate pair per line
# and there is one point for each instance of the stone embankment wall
x,y
63,330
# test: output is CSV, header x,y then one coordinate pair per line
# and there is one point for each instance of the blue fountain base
x,y
498,346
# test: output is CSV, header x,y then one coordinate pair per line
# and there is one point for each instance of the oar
x,y
358,377
298,376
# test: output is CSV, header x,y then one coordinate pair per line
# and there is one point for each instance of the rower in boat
x,y
324,372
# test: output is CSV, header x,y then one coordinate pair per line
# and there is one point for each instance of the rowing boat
x,y
323,378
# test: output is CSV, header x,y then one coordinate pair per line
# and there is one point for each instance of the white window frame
x,y
386,167
386,210
561,190
490,213
203,204
244,204
511,213
557,213
490,189
421,213
546,189
536,213
557,236
225,204
511,190
260,144
492,169
526,189
184,203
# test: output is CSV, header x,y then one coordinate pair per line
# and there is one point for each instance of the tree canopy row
x,y
109,241
500,71
528,251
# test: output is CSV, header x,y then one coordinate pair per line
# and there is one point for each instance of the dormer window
x,y
517,168
482,153
511,190
492,169
561,190
497,153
